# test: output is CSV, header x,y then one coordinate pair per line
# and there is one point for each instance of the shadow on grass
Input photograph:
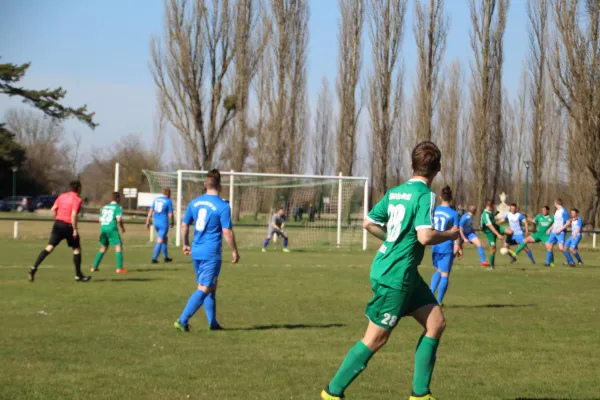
x,y
286,326
550,398
494,306
126,280
157,269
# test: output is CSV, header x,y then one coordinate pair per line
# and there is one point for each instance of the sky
x,y
99,52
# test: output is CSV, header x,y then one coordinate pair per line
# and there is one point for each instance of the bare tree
x,y
520,143
575,76
323,140
449,121
537,12
189,67
488,18
431,30
349,66
386,19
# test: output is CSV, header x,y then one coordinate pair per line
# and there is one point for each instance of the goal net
x,y
321,212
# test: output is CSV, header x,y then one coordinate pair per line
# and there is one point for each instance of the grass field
x,y
520,332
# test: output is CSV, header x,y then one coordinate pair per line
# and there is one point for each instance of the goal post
x,y
321,211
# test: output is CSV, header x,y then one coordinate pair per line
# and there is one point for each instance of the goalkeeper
x,y
276,227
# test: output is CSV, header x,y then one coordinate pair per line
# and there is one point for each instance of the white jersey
x,y
514,221
560,219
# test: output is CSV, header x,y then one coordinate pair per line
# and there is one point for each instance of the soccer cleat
x,y
168,260
154,262
580,263
216,328
426,397
122,271
31,274
180,327
286,251
82,278
512,253
547,265
94,270
325,395
485,264
264,250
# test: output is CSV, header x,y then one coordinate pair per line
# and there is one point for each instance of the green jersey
x,y
108,216
404,210
543,223
487,217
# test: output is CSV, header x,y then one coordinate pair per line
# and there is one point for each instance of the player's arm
x,y
149,217
74,214
121,224
227,226
374,228
565,226
525,224
171,214
54,209
490,225
461,225
377,219
187,220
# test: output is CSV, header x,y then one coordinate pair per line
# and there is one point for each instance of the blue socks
x,y
157,248
210,308
576,254
266,243
568,257
165,251
530,255
435,281
193,304
285,242
442,289
481,254
549,257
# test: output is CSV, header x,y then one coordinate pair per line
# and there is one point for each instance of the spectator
x,y
311,213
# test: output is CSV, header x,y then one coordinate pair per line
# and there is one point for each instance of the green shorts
x,y
491,237
540,237
110,237
389,304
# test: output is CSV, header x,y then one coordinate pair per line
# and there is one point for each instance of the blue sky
x,y
99,52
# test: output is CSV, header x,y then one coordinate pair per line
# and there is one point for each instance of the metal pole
x,y
231,193
526,188
339,213
116,177
366,212
178,211
16,230
594,240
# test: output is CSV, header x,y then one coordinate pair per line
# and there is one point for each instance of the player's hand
x,y
187,250
235,257
499,236
148,225
123,230
455,232
172,224
75,233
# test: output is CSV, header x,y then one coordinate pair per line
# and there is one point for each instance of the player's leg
x,y
429,314
285,242
104,242
384,310
164,246
267,239
160,236
444,268
475,240
436,277
117,243
207,273
508,241
74,243
564,250
210,308
528,239
56,236
491,238
574,249
549,245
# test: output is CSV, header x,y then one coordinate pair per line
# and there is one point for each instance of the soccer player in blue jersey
x,y
445,217
162,210
468,234
573,241
516,220
211,218
557,234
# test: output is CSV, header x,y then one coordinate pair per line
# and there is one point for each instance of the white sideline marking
x,y
24,266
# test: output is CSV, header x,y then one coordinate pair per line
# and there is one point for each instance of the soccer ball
x,y
504,251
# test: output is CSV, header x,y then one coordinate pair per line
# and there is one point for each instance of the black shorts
x,y
63,231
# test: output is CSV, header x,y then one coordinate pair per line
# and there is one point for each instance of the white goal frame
x,y
232,174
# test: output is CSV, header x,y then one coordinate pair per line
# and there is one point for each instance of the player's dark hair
x,y
213,179
75,186
514,205
446,193
558,201
116,196
280,208
576,210
547,208
489,203
426,159
166,191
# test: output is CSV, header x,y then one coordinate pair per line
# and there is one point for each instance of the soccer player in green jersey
x,y
403,220
492,230
111,217
543,222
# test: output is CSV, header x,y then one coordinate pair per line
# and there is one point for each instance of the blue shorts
x,y
443,261
207,272
161,231
573,242
471,236
517,239
556,238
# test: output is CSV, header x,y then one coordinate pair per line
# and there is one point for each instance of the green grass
x,y
521,331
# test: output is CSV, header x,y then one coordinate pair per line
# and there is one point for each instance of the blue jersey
x,y
162,207
466,223
444,218
209,214
576,225
515,222
560,219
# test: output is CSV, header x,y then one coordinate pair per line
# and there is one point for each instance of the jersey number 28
x,y
394,226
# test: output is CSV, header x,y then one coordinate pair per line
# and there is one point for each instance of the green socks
x,y
424,363
492,259
119,257
99,256
521,247
356,360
